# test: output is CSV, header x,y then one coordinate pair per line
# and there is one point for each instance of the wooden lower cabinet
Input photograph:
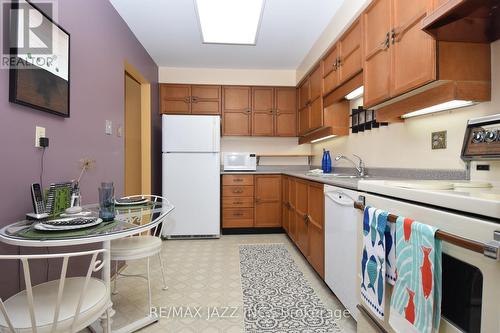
x,y
267,201
285,204
250,201
304,217
315,226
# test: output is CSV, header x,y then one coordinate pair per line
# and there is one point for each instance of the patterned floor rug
x,y
276,295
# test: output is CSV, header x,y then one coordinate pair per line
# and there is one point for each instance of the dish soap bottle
x,y
326,162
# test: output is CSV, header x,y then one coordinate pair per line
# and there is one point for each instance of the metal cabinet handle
x,y
339,62
257,200
187,99
271,111
237,191
237,203
278,112
237,214
194,99
248,110
237,180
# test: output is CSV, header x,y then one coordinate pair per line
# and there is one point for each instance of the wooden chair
x,y
140,246
68,304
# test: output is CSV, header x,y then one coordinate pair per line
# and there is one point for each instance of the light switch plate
x,y
39,133
119,132
109,127
439,140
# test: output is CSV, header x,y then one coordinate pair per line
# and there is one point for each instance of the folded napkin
x,y
373,260
416,298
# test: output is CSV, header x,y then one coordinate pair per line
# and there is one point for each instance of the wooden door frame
x,y
145,126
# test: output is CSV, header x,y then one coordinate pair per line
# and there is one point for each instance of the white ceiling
x,y
170,32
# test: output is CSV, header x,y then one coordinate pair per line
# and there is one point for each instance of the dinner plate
x,y
138,201
48,227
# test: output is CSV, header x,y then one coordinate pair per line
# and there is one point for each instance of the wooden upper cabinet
x,y
315,224
330,70
315,84
237,112
175,99
190,99
262,111
304,94
377,62
268,201
350,61
206,99
413,51
285,112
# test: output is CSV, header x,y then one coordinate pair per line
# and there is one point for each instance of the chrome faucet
x,y
360,166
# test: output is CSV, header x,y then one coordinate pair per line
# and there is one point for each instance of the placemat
x,y
32,233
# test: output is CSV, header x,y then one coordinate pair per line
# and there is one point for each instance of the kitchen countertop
x,y
351,183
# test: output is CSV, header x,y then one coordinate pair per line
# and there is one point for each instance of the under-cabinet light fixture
x,y
356,93
454,104
324,138
229,21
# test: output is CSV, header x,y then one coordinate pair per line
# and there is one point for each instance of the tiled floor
x,y
204,274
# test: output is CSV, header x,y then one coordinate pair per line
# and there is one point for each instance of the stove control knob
x,y
490,136
478,137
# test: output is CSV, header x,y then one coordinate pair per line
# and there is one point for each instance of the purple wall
x,y
100,43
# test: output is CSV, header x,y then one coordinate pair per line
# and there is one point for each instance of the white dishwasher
x,y
341,230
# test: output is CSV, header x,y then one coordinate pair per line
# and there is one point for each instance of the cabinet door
x,y
286,112
304,120
262,111
315,114
268,201
175,99
315,83
285,203
302,237
377,63
236,118
206,100
350,53
315,225
304,94
413,51
292,196
330,70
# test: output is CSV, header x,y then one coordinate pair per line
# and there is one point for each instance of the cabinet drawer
x,y
237,180
237,223
238,202
237,191
237,213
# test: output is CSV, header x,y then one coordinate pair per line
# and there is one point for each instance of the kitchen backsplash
x,y
264,145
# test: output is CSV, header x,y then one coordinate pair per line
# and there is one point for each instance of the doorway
x,y
137,133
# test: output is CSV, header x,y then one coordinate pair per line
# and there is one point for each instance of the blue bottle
x,y
326,162
328,168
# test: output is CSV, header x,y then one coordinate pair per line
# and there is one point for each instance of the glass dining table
x,y
129,221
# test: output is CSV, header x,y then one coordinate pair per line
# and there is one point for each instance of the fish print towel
x,y
390,253
416,298
373,260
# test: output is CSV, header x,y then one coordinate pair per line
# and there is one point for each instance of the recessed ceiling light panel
x,y
229,21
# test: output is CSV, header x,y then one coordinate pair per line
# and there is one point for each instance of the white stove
x,y
481,198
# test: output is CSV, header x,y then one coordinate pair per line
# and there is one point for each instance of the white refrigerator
x,y
191,175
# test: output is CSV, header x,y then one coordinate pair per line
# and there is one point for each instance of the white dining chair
x,y
68,304
141,246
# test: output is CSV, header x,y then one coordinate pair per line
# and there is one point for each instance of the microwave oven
x,y
240,162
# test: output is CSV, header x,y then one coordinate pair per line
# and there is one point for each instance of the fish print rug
x,y
276,295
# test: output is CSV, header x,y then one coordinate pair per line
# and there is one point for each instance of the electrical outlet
x,y
109,127
439,140
39,133
119,132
